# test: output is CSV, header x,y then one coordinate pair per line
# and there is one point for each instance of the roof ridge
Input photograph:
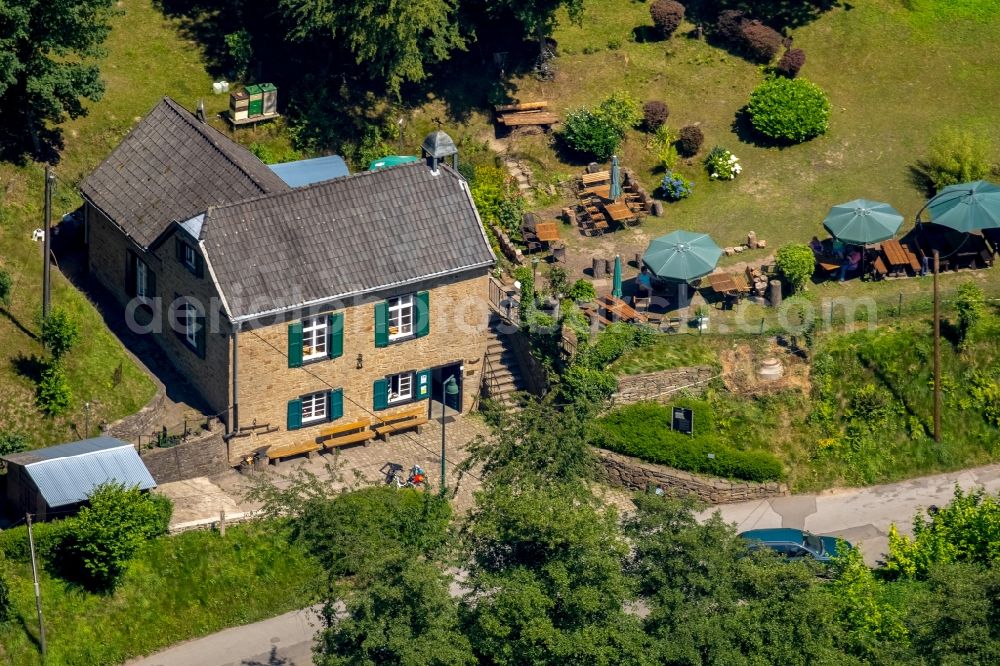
x,y
200,126
325,183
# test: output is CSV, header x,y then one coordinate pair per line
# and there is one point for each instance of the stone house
x,y
290,307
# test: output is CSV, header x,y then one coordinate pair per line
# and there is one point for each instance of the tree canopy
x,y
47,68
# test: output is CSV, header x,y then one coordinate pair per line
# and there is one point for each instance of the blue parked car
x,y
795,544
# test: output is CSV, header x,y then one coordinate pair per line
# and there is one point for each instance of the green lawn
x,y
895,76
178,588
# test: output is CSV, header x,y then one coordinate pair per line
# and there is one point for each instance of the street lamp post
x,y
448,387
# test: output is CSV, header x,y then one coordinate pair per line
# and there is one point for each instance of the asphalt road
x,y
862,516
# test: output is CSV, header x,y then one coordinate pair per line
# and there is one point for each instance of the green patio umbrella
x,y
682,256
861,222
967,206
616,281
616,186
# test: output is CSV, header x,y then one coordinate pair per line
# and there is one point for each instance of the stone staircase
x,y
522,176
502,374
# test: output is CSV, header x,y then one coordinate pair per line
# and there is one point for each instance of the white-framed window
x,y
188,315
314,335
400,387
314,407
141,279
190,258
400,317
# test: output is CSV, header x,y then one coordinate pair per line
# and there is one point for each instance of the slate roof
x,y
68,473
344,237
172,166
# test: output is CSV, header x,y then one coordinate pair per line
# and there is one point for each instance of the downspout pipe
x,y
235,421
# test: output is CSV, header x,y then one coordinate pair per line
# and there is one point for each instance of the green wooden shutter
x,y
382,324
150,282
335,335
179,249
380,389
130,260
294,414
335,404
423,313
200,334
199,266
295,345
423,389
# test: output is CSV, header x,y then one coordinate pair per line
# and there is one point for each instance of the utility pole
x,y
38,590
937,351
47,243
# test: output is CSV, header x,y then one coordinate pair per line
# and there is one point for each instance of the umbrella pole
x,y
937,352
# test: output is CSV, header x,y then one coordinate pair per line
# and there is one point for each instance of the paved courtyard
x,y
202,499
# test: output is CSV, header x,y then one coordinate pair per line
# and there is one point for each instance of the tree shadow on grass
x,y
643,34
21,327
30,367
917,175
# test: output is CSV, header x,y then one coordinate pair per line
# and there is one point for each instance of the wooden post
x,y
38,590
47,243
937,351
222,523
774,293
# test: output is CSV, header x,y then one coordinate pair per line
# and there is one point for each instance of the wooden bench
x,y
521,106
410,418
528,118
276,453
347,433
599,178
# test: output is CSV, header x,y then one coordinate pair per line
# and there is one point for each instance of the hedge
x,y
643,430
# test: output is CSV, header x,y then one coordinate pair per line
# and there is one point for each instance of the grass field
x,y
895,76
178,588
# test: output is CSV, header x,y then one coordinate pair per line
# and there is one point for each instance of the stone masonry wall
x,y
632,473
655,385
459,328
197,457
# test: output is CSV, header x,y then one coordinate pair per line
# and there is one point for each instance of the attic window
x,y
190,258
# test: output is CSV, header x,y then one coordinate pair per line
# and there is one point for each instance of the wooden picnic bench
x,y
347,433
591,179
521,106
619,309
399,421
525,113
276,453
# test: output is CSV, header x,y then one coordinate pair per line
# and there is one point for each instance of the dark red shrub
x,y
729,26
667,15
654,114
761,42
791,63
689,140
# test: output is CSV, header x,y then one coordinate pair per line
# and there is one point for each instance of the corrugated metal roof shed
x,y
307,172
68,473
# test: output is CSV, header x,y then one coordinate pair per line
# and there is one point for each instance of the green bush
x,y
600,131
6,284
48,537
12,442
497,199
797,263
115,523
614,341
643,430
621,110
6,607
53,395
971,306
60,332
789,109
957,156
582,290
583,385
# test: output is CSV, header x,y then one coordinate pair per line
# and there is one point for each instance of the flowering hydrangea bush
x,y
675,186
722,164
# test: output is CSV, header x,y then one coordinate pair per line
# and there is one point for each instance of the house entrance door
x,y
439,375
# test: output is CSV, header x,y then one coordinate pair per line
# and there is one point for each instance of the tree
x,y
60,332
874,626
538,17
392,41
587,132
240,47
403,616
791,110
797,263
6,284
667,16
546,581
957,156
53,394
47,53
109,530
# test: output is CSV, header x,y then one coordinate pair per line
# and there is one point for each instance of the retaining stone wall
x,y
142,422
655,385
204,456
632,473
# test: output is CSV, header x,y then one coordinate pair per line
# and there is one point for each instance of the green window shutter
x,y
335,404
423,389
150,282
130,260
423,313
380,390
200,335
382,324
179,249
295,345
199,266
294,414
335,335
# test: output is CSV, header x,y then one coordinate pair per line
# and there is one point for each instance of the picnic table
x,y
547,231
619,212
899,257
603,191
619,309
828,262
589,179
731,287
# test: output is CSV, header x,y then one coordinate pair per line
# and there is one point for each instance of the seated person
x,y
851,263
817,245
645,283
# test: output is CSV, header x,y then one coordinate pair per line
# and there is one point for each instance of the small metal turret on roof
x,y
438,145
